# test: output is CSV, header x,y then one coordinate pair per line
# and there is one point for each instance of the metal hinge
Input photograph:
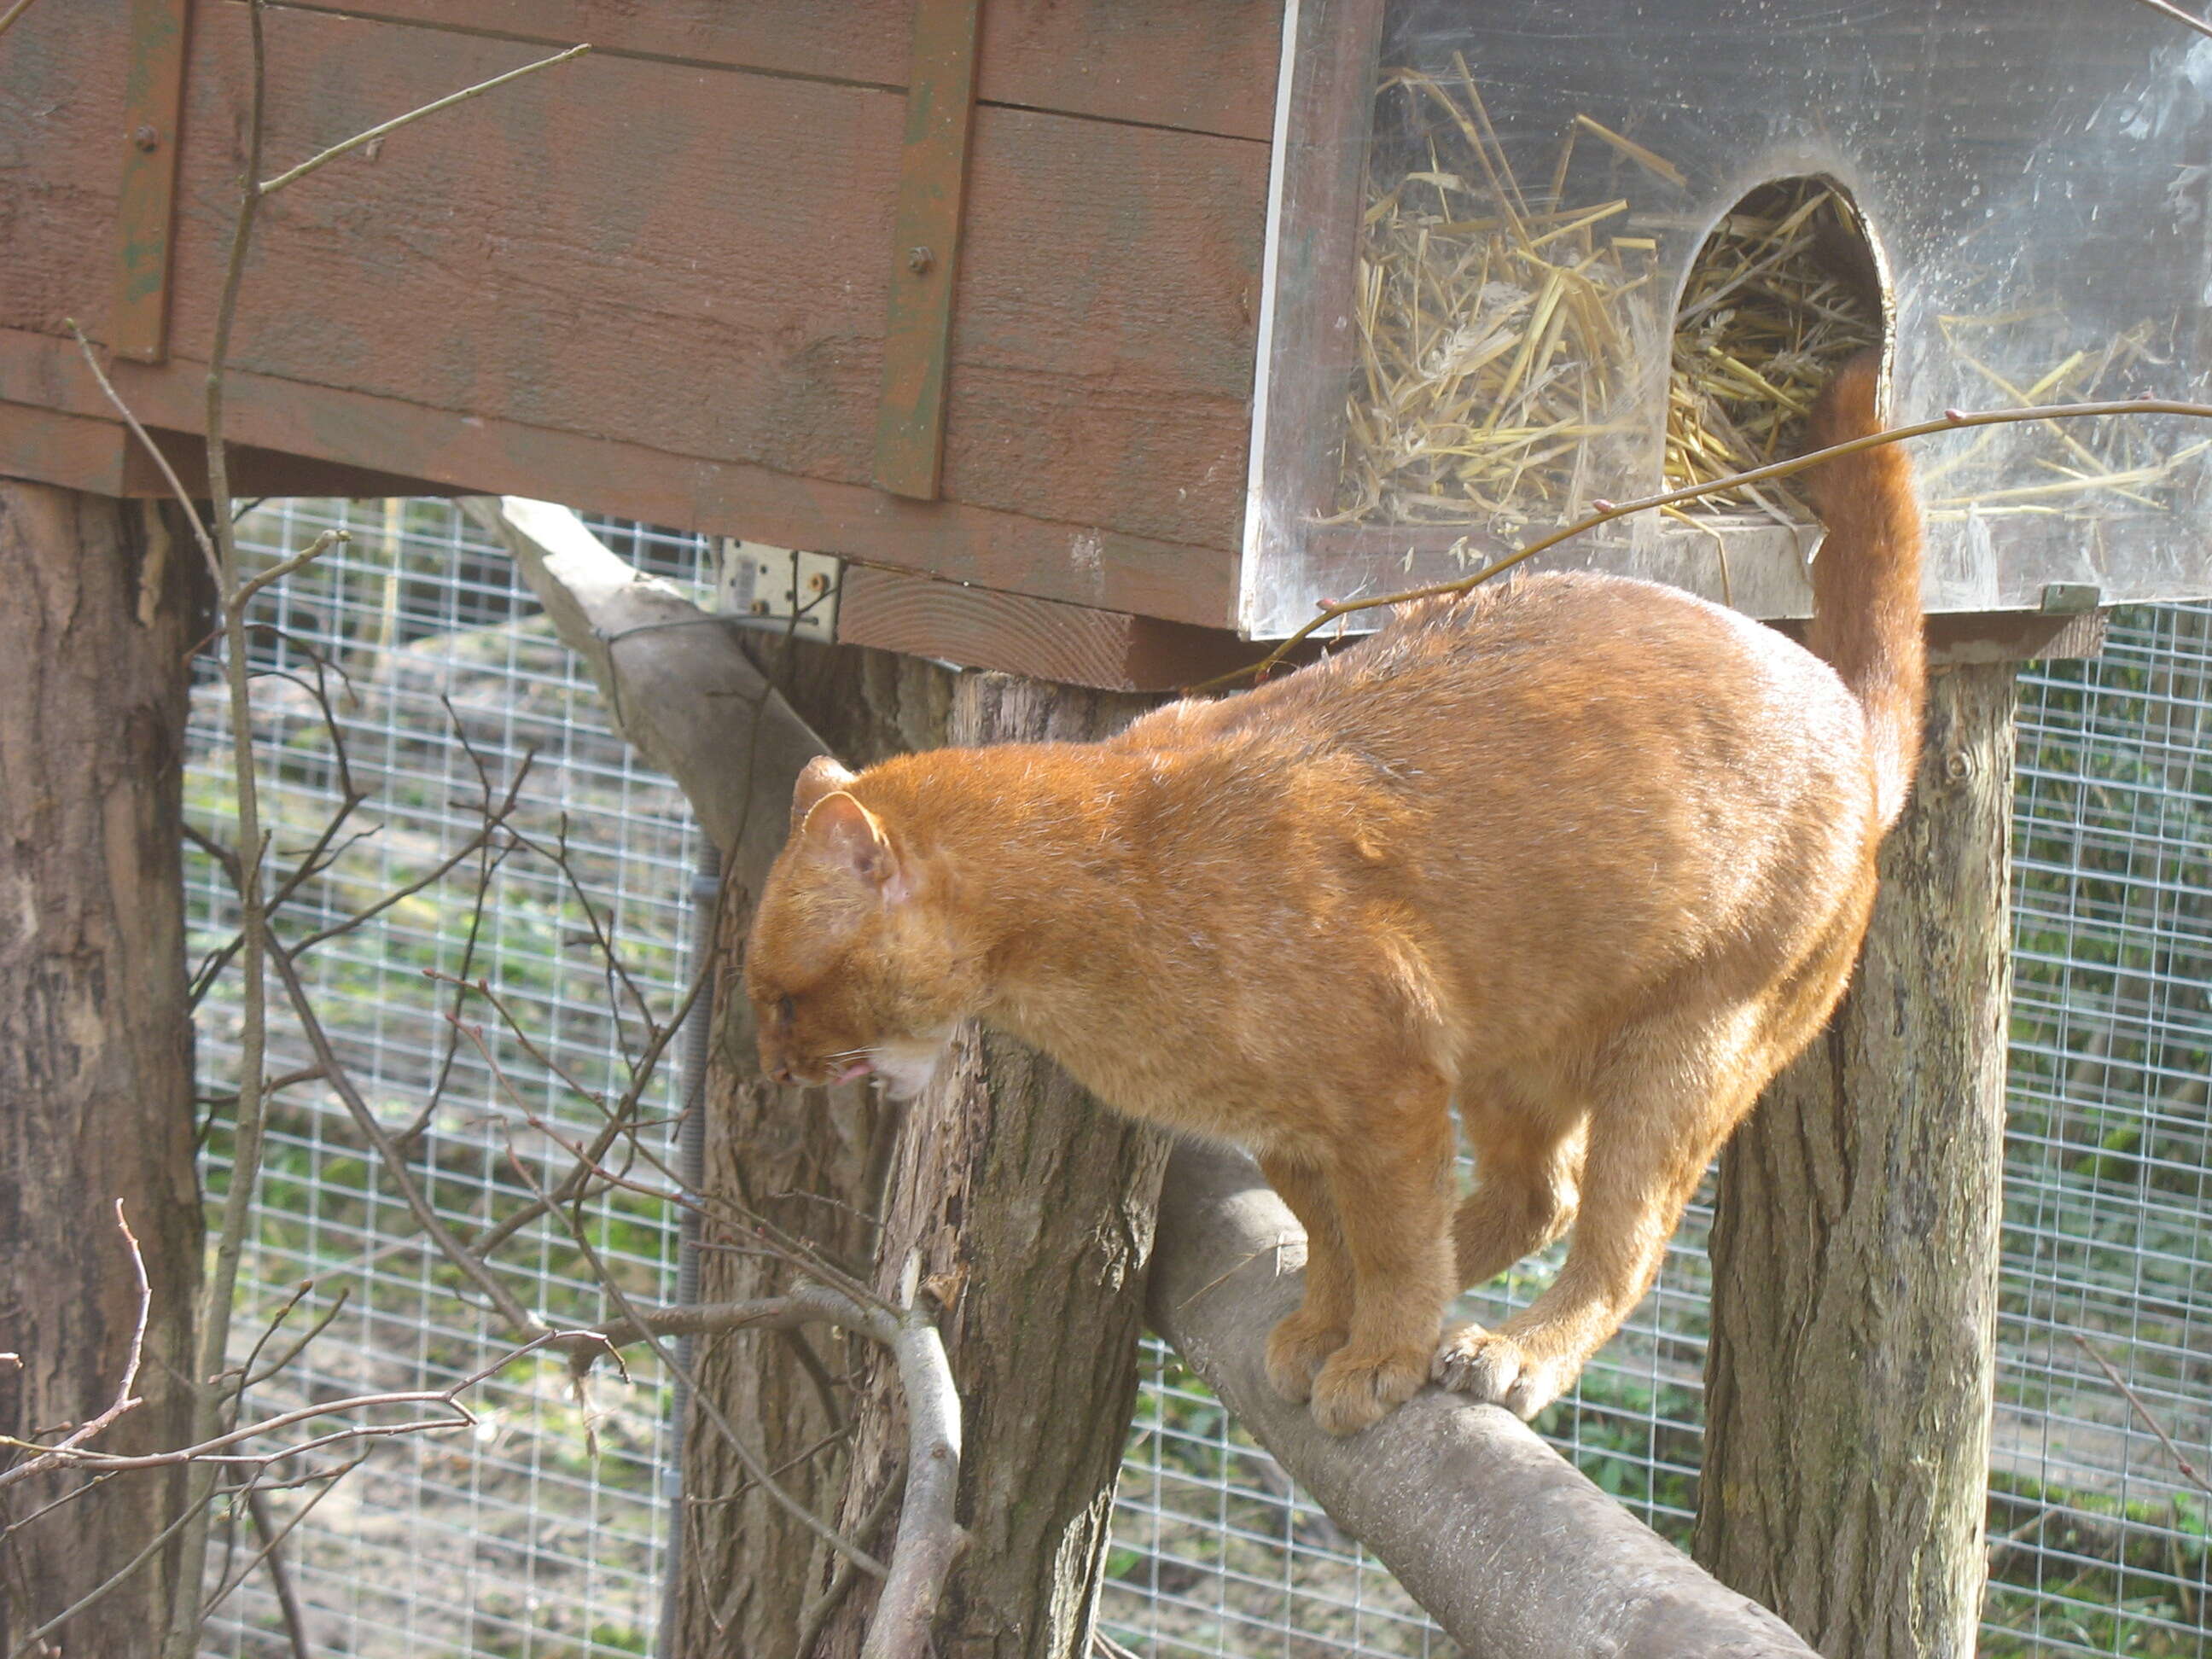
x,y
778,588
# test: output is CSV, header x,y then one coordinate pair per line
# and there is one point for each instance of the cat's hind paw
x,y
1485,1365
1297,1349
1355,1389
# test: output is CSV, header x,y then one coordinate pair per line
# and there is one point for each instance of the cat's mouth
x,y
852,1071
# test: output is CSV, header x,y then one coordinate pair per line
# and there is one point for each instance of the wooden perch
x,y
1512,1552
1506,1546
677,682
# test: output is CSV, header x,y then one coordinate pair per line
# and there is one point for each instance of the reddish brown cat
x,y
1588,855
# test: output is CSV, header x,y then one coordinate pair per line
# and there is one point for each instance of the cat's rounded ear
x,y
818,778
842,830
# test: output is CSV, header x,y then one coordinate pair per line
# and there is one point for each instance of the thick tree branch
x,y
676,681
1515,1554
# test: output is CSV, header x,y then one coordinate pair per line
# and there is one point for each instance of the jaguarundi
x,y
1589,856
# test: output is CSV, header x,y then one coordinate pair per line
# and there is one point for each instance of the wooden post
x,y
1855,1247
1031,1208
95,1044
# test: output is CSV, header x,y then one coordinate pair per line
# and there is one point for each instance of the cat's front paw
x,y
1357,1387
1485,1365
1296,1348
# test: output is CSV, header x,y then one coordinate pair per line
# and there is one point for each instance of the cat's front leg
x,y
1391,1183
1300,1342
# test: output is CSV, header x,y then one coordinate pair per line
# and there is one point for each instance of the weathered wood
x,y
1855,1245
1016,633
1206,68
96,1041
721,231
138,321
464,455
925,252
1515,1554
1030,1208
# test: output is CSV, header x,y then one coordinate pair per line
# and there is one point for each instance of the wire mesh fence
x,y
410,668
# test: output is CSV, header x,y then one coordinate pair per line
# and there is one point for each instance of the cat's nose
x,y
780,1072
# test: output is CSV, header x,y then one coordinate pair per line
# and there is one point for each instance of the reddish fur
x,y
1592,856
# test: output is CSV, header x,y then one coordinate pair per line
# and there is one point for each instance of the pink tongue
x,y
858,1068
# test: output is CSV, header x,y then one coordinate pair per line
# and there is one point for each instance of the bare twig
x,y
2161,7
124,1400
268,186
1606,512
8,17
193,1511
146,442
2180,1461
272,1538
509,1306
747,1457
930,1537
283,568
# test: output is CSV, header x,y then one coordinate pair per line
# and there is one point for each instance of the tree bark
x,y
1855,1244
95,1043
1028,1210
811,1161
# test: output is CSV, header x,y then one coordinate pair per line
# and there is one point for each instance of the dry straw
x,y
1499,332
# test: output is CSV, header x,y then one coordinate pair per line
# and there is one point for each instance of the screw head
x,y
918,260
146,138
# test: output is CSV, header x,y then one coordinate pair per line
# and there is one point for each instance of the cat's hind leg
x,y
1390,1177
1303,1340
1659,1118
1527,1176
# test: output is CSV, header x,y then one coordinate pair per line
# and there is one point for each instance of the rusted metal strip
x,y
154,86
940,105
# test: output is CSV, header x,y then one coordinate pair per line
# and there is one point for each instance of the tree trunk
x,y
1855,1248
95,1043
1030,1209
811,1161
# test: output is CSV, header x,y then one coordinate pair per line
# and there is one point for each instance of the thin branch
x,y
810,1304
1606,512
930,1536
124,1399
145,440
192,1511
276,573
509,1307
817,1612
2181,1462
268,186
8,17
288,1602
747,1457
2161,7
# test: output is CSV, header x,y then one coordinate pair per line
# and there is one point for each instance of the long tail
x,y
1865,579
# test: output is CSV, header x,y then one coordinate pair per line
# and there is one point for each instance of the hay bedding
x,y
1497,341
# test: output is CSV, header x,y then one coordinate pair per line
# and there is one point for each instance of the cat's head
x,y
854,966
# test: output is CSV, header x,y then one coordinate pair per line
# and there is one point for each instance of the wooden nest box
x,y
1093,336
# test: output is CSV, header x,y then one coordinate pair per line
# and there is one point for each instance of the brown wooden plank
x,y
76,451
1014,633
693,261
469,455
1199,65
925,252
61,111
152,95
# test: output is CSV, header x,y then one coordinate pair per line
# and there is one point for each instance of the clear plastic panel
x,y
1513,191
